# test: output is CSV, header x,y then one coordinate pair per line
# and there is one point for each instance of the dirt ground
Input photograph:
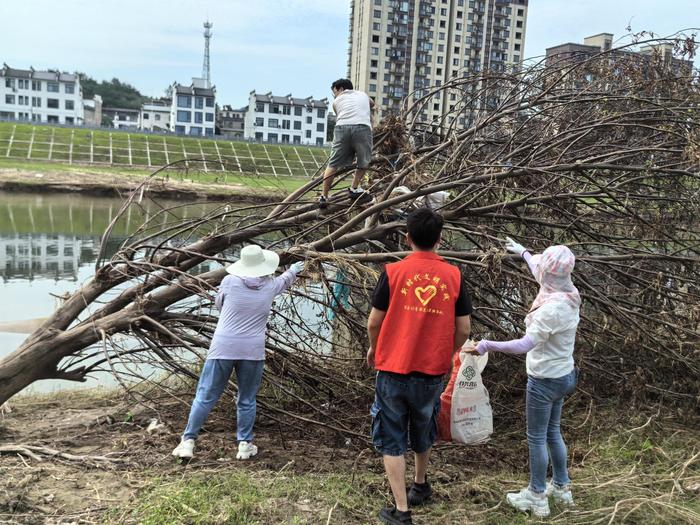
x,y
114,183
614,468
61,491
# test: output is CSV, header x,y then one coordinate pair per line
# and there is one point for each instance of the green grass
x,y
122,149
646,476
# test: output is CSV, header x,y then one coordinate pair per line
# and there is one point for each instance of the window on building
x,y
298,110
319,141
521,12
52,87
273,123
52,119
320,127
375,39
70,120
286,124
519,23
36,102
297,124
71,105
36,85
52,103
184,116
321,113
286,110
23,83
198,117
373,63
373,88
179,129
196,130
275,108
373,75
296,139
440,60
258,135
309,120
70,88
308,133
9,99
441,36
210,102
436,107
209,132
198,102
259,121
458,26
518,36
516,58
184,101
272,137
36,117
516,47
157,116
375,51
442,24
443,12
285,138
260,107
377,13
9,82
209,117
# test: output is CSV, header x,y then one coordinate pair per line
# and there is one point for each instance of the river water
x,y
48,247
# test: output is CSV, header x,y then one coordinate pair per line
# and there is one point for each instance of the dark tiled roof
x,y
55,76
289,99
191,90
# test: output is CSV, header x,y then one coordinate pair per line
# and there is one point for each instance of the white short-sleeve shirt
x,y
552,327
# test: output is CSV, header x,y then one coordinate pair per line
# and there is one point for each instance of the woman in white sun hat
x,y
244,301
549,344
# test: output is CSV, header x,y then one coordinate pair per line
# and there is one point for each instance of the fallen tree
x,y
601,153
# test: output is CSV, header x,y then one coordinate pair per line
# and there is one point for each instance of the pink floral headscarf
x,y
552,269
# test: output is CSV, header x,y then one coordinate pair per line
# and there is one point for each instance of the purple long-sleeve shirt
x,y
244,304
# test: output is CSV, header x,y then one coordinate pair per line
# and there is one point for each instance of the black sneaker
x,y
361,196
419,493
393,516
322,203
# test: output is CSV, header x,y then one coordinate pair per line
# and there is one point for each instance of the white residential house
x,y
193,108
155,115
40,96
122,118
286,119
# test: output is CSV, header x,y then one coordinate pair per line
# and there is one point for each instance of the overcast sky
x,y
286,46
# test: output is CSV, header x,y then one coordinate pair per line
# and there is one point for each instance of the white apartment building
x,y
155,115
286,119
122,118
403,47
193,108
40,96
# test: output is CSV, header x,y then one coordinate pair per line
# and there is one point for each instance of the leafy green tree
x,y
114,93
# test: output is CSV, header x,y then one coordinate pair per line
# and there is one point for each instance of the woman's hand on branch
x,y
514,247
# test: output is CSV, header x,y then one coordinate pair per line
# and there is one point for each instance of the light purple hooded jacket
x,y
245,303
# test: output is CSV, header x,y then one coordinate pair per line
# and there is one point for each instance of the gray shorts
x,y
350,141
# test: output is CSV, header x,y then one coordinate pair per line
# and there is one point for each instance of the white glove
x,y
297,267
514,247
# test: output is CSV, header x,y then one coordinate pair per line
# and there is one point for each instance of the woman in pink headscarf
x,y
549,344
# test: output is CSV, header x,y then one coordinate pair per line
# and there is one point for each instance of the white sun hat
x,y
254,262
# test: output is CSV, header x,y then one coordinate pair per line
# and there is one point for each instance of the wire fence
x,y
138,150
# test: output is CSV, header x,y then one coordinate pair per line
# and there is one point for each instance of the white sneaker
x,y
185,449
560,495
526,500
246,450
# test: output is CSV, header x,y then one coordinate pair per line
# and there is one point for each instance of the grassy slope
x,y
29,142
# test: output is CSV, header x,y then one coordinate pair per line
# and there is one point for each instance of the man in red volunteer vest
x,y
420,316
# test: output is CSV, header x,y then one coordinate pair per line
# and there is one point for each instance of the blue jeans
x,y
405,408
544,401
212,381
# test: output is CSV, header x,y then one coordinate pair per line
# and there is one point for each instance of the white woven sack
x,y
471,419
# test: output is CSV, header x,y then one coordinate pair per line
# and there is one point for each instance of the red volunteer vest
x,y
417,334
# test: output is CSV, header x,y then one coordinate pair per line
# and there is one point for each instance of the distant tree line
x,y
114,93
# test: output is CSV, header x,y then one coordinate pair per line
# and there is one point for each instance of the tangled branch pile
x,y
601,153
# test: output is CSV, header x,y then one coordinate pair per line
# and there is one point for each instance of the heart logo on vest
x,y
425,294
